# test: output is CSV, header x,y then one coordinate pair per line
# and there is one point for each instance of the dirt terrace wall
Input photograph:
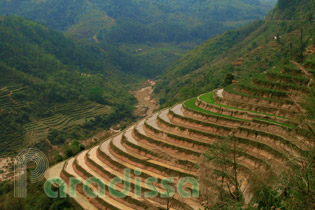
x,y
220,120
268,140
167,147
238,132
238,103
279,105
185,121
149,166
178,141
127,200
174,162
94,201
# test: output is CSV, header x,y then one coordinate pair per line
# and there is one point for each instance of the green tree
x,y
223,169
228,79
282,4
97,95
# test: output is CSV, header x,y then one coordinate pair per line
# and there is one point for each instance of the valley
x,y
160,105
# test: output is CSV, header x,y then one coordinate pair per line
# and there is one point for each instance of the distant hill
x,y
164,30
151,20
48,81
242,52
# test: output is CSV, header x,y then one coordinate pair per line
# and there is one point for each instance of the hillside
x,y
242,52
245,144
51,82
163,30
237,120
148,17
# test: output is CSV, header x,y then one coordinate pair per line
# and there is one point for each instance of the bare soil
x,y
146,102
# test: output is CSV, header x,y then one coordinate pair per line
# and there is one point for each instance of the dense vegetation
x,y
35,200
47,76
139,21
242,52
146,24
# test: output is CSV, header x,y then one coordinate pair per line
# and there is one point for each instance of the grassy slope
x,y
243,52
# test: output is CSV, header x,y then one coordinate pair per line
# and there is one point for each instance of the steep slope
x,y
256,119
49,81
242,52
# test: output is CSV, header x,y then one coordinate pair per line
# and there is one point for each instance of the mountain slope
x,y
157,20
241,52
162,30
51,82
231,146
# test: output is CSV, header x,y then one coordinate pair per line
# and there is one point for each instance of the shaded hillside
x,y
242,52
51,82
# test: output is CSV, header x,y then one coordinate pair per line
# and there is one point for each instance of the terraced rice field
x,y
7,96
171,142
12,141
69,116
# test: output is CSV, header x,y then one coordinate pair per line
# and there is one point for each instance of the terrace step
x,y
264,82
231,93
144,162
92,155
203,142
269,154
168,146
177,116
70,170
55,172
105,149
236,101
232,111
278,140
81,160
154,153
250,158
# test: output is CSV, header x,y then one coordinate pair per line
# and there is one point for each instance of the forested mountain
x,y
150,20
45,75
162,30
240,53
